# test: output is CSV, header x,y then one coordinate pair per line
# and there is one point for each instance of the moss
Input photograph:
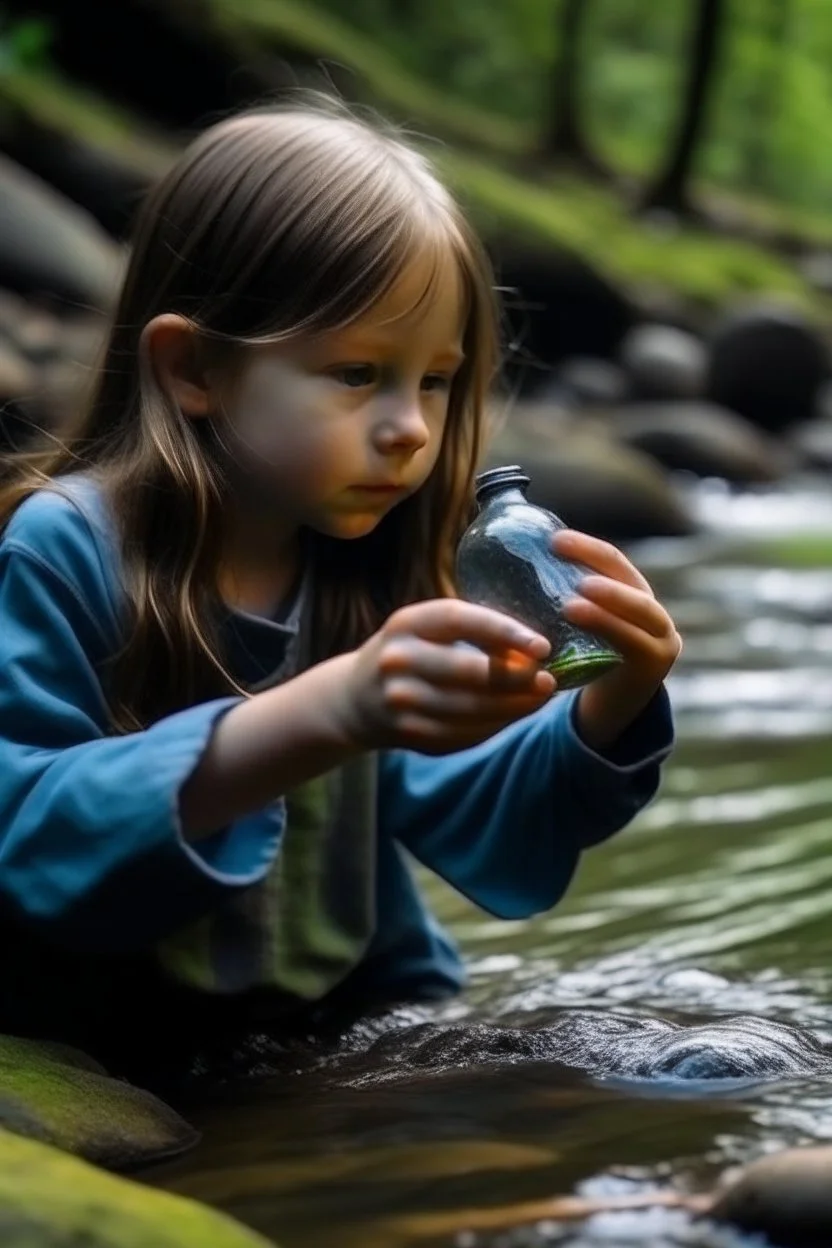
x,y
61,1097
710,270
798,550
293,24
51,1200
705,269
56,104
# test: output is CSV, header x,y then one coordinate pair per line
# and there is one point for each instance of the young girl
x,y
232,694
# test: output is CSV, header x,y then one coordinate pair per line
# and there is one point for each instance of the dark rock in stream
x,y
767,364
703,439
593,482
603,1044
584,381
664,362
787,1198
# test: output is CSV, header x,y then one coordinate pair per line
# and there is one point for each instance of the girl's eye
x,y
356,375
436,381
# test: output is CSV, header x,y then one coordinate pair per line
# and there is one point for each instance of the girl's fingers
x,y
631,640
601,556
449,620
628,603
408,695
457,666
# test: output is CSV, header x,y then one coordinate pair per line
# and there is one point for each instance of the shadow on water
x,y
672,1017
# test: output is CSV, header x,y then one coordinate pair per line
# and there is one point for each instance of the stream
x,y
670,1019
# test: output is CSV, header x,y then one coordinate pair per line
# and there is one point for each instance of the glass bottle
x,y
506,560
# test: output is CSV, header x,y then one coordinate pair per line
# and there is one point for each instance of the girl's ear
x,y
170,345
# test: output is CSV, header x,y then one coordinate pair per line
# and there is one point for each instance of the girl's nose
x,y
402,428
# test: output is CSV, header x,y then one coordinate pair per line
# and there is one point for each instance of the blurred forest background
x,y
561,117
632,167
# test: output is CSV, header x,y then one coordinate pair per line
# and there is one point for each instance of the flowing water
x,y
672,1017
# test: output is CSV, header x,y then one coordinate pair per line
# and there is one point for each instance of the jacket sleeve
x,y
91,847
506,821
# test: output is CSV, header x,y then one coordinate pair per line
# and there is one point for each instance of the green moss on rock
x,y
51,1200
59,1096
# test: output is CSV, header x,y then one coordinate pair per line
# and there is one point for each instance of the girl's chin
x,y
349,527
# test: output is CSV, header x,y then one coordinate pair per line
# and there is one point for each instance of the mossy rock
x,y
59,1096
51,1200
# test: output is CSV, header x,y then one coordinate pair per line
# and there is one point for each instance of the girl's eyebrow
x,y
356,342
450,358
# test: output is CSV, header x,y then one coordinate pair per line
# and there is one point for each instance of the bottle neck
x,y
501,494
509,483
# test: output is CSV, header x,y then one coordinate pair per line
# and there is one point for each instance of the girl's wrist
x,y
606,709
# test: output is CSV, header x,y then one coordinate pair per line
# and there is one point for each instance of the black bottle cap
x,y
500,479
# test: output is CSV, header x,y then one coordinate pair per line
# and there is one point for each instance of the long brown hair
x,y
274,223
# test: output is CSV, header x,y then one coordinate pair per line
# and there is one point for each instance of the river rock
x,y
585,381
817,270
786,1197
813,443
59,1096
593,483
664,362
51,1200
767,364
50,247
17,376
107,184
704,439
557,307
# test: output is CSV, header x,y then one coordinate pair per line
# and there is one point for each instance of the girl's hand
x,y
411,686
618,605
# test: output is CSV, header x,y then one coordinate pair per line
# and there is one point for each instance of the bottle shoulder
x,y
511,522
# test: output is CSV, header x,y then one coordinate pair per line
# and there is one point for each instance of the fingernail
x,y
524,635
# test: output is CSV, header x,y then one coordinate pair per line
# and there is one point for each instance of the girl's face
x,y
333,431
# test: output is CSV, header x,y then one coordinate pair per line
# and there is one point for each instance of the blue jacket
x,y
93,862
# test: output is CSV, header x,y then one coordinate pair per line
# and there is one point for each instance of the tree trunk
x,y
564,137
670,191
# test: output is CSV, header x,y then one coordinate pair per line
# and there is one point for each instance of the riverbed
x,y
715,905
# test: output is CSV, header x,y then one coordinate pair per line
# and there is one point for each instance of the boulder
x,y
584,381
51,248
703,439
813,443
59,1096
816,267
17,376
106,184
767,364
590,481
51,1200
663,362
786,1197
556,307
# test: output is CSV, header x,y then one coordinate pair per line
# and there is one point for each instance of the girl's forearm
x,y
265,746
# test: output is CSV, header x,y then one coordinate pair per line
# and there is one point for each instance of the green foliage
x,y
769,127
707,270
24,44
375,63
